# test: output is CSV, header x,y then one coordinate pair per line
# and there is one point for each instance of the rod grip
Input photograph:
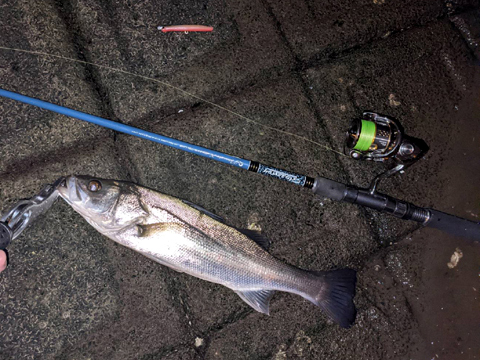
x,y
380,202
329,189
454,225
385,204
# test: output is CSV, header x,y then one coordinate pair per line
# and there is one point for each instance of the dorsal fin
x,y
259,300
258,237
204,211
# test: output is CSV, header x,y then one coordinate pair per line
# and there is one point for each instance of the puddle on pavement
x,y
449,318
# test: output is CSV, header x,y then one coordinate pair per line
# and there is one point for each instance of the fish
x,y
190,239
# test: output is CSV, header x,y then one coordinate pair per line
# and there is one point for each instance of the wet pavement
x,y
306,68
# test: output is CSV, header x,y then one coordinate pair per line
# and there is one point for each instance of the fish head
x,y
108,205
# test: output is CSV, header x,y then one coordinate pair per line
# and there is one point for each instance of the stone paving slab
x,y
37,142
317,29
147,319
243,47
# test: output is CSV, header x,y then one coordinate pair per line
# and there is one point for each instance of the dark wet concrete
x,y
302,67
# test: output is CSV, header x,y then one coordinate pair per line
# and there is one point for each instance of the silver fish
x,y
189,239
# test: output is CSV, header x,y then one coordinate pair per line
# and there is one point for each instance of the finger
x,y
3,259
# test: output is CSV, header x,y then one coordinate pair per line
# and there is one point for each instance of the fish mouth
x,y
60,182
70,190
62,187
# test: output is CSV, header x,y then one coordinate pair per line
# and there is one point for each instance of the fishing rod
x,y
374,137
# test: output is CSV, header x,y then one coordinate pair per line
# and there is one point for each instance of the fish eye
x,y
94,186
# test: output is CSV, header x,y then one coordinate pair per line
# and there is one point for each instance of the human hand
x,y
3,260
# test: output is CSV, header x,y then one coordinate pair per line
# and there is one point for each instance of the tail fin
x,y
335,295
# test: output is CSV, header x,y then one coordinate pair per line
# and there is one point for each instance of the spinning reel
x,y
380,138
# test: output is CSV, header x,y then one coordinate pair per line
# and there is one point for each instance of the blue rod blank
x,y
164,140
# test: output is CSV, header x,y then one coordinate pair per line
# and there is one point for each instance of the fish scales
x,y
222,240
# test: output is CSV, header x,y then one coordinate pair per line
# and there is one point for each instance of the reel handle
x,y
404,210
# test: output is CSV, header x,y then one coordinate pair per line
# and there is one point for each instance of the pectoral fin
x,y
157,230
259,300
153,229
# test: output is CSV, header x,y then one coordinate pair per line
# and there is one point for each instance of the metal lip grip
x,y
16,219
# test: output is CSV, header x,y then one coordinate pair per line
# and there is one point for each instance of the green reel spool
x,y
368,130
372,137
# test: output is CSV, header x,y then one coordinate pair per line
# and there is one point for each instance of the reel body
x,y
380,138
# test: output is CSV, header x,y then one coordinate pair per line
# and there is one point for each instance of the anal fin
x,y
259,300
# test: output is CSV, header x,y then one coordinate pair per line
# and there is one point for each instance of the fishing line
x,y
39,53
